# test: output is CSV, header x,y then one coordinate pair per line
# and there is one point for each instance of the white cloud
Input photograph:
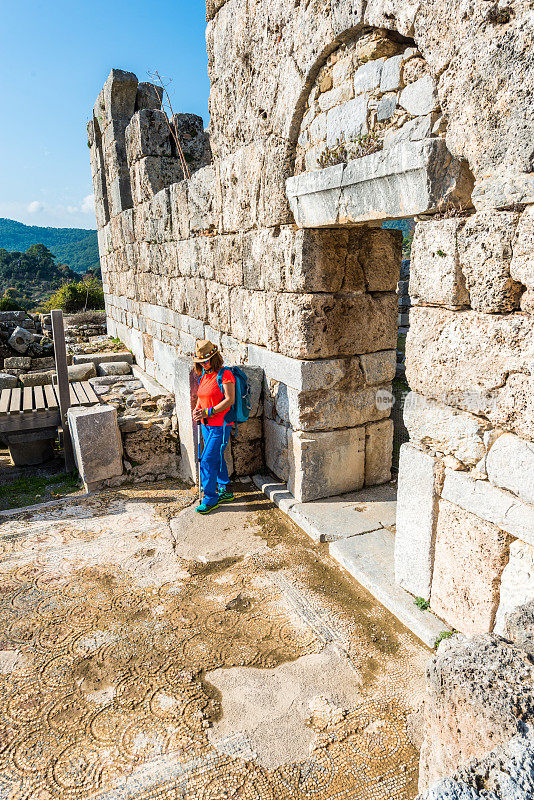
x,y
34,207
88,204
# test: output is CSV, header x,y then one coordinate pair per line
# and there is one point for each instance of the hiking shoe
x,y
204,508
226,496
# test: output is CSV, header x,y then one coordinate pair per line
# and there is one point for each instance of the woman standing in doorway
x,y
210,410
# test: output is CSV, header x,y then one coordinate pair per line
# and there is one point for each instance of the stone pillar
x,y
420,483
185,392
97,444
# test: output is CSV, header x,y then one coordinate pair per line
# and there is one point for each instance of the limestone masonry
x,y
326,120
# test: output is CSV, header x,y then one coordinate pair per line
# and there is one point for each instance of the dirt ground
x,y
149,653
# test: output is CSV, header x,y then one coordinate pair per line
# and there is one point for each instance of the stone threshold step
x,y
355,526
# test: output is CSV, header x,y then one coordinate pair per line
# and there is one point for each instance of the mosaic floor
x,y
106,637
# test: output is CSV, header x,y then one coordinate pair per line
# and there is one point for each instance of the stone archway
x,y
368,146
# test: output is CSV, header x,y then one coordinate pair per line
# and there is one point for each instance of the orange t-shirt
x,y
210,395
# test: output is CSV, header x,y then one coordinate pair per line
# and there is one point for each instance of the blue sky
x,y
54,58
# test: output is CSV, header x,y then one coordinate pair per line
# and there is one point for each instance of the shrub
x,y
77,296
8,304
442,636
421,603
343,151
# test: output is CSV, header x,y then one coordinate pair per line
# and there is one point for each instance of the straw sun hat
x,y
204,351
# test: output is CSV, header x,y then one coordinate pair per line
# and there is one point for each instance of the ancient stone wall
x,y
288,271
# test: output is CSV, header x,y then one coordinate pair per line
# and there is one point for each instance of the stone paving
x,y
121,662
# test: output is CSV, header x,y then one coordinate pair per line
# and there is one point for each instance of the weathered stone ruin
x,y
327,120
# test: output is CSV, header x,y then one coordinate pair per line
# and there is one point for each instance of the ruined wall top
x,y
264,58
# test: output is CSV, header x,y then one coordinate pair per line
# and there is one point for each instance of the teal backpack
x,y
240,411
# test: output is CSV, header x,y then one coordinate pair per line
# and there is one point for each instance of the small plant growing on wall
x,y
337,154
366,144
356,147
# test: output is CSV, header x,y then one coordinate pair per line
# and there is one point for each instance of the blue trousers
x,y
213,469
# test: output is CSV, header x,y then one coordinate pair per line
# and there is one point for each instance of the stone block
x,y
96,441
114,368
479,693
81,372
8,381
436,277
343,69
497,506
470,557
253,316
20,340
367,76
295,261
179,210
148,96
522,264
379,368
317,129
204,201
477,362
386,108
148,134
255,382
247,456
151,174
315,325
501,191
185,392
378,452
18,362
390,78
347,121
252,186
315,460
413,131
335,97
340,404
420,97
379,255
519,623
276,449
120,195
218,306
119,95
448,430
517,585
485,254
40,378
402,181
420,482
102,358
510,465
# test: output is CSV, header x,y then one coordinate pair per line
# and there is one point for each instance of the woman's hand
x,y
198,414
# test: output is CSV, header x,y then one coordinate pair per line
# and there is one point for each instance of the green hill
x,y
75,247
30,278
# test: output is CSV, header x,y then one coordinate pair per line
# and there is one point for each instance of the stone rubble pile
x,y
24,346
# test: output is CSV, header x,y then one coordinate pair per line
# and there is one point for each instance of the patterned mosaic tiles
x,y
106,636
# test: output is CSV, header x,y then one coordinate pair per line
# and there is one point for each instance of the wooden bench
x,y
34,407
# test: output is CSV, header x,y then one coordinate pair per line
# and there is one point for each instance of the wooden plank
x,y
27,399
82,397
73,397
37,420
90,392
39,398
5,401
50,397
15,400
60,351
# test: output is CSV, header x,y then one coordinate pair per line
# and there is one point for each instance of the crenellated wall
x,y
286,267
